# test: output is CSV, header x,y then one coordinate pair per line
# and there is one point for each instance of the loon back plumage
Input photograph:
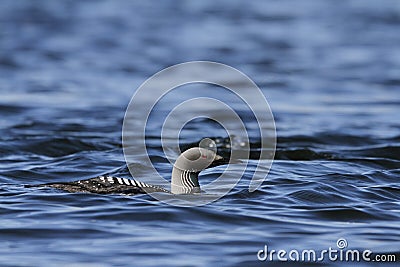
x,y
184,178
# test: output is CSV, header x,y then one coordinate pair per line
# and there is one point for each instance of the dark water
x,y
329,69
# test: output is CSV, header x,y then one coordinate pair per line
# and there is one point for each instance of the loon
x,y
184,179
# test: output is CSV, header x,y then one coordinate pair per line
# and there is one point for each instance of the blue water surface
x,y
329,69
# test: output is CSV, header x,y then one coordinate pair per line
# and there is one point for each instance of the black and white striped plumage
x,y
184,177
107,185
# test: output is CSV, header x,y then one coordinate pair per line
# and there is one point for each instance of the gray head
x,y
187,168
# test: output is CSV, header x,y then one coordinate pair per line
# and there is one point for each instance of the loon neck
x,y
184,182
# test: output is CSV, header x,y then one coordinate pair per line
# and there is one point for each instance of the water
x,y
329,69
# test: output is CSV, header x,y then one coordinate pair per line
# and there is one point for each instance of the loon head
x,y
185,173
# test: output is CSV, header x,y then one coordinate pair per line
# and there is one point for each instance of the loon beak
x,y
218,160
217,157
